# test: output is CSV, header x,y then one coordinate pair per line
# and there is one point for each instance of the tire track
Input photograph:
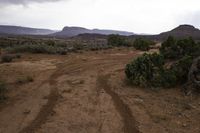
x,y
47,109
121,107
71,67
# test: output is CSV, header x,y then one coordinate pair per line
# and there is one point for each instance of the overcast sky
x,y
139,16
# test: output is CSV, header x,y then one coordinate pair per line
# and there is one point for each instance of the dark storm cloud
x,y
24,2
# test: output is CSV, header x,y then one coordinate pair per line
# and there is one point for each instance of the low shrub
x,y
142,44
176,49
78,46
18,56
150,70
181,69
35,48
6,58
117,40
51,43
169,48
164,78
63,52
144,70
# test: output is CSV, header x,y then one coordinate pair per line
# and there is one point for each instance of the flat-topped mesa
x,y
74,31
73,28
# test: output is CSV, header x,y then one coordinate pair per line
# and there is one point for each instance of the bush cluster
x,y
148,70
138,43
181,69
142,44
151,69
176,49
51,46
36,48
117,40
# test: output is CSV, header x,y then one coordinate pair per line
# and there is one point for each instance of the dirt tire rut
x,y
123,109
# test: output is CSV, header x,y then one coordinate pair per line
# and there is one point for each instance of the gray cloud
x,y
24,2
195,18
192,18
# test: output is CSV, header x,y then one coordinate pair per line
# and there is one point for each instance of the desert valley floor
x,y
87,92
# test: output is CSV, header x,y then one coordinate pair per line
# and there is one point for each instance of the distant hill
x,y
182,31
74,31
18,30
179,32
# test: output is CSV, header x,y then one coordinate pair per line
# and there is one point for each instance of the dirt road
x,y
80,93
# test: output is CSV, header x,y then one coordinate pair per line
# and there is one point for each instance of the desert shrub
x,y
146,70
117,40
149,70
164,78
18,56
142,44
78,46
63,52
6,58
181,69
50,43
169,48
35,48
176,49
2,90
